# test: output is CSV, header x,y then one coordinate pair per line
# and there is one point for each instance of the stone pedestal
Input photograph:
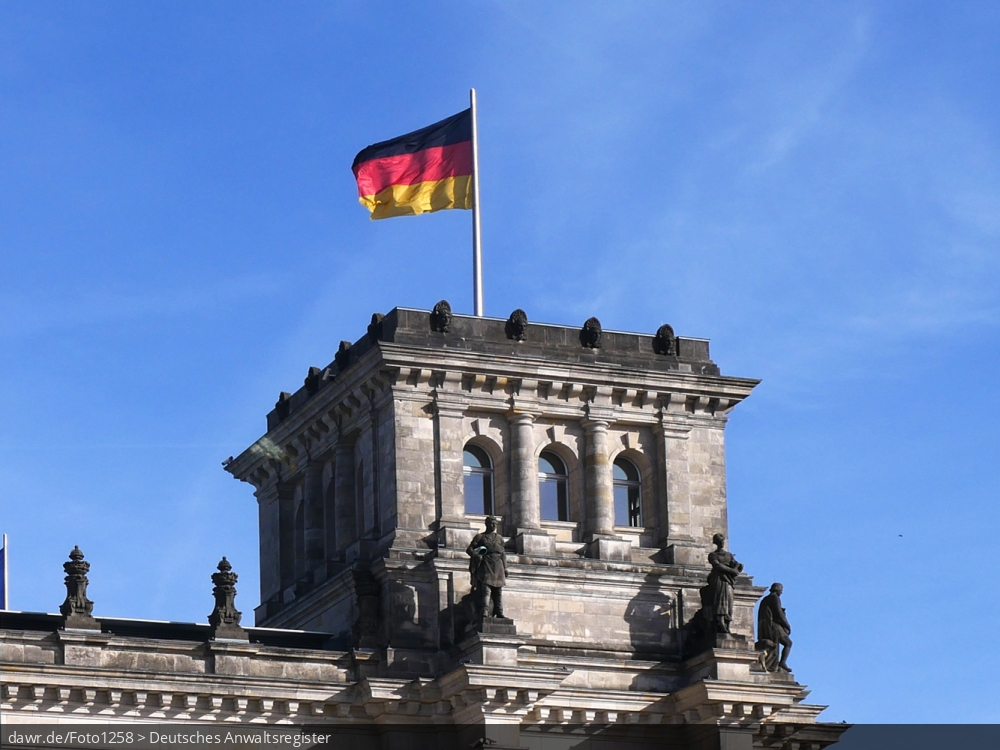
x,y
609,548
228,632
534,543
730,659
81,622
685,553
455,533
493,642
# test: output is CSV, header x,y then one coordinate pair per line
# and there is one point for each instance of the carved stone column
x,y
525,510
286,535
599,532
673,473
269,525
526,514
448,415
314,531
344,496
599,482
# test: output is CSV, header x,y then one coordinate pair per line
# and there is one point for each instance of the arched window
x,y
552,486
628,494
478,470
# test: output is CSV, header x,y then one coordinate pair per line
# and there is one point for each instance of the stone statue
x,y
488,569
721,583
773,631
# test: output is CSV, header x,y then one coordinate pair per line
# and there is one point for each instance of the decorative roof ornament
x,y
517,325
665,342
283,405
343,355
225,618
77,609
375,327
441,317
590,334
313,379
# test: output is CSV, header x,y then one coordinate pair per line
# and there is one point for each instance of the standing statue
x,y
721,583
488,569
773,631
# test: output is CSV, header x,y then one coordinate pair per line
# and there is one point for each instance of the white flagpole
x,y
477,248
6,576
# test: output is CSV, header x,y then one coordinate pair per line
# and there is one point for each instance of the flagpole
x,y
477,248
6,578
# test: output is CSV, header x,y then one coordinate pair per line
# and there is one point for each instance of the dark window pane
x,y
625,470
548,495
621,505
553,499
549,463
476,457
478,494
634,507
488,508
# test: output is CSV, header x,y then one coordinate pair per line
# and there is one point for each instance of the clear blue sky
x,y
814,187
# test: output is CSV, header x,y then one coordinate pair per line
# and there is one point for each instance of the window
x,y
628,494
552,485
478,470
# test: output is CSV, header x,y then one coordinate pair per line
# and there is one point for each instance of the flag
x,y
427,170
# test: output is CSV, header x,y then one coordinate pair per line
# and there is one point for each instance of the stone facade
x,y
360,482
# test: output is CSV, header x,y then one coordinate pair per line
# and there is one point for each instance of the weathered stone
x,y
590,334
517,325
77,609
225,618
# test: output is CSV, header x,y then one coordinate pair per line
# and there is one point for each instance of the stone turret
x,y
364,490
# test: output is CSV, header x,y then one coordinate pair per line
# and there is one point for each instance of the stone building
x,y
601,453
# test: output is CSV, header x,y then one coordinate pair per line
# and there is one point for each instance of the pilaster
x,y
314,531
345,498
529,538
675,522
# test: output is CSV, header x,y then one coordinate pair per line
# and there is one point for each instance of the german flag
x,y
427,170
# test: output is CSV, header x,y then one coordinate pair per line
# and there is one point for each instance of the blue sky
x,y
814,187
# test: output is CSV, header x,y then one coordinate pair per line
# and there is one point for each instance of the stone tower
x,y
603,455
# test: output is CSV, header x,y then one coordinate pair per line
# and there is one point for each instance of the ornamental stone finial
x,y
77,609
225,618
